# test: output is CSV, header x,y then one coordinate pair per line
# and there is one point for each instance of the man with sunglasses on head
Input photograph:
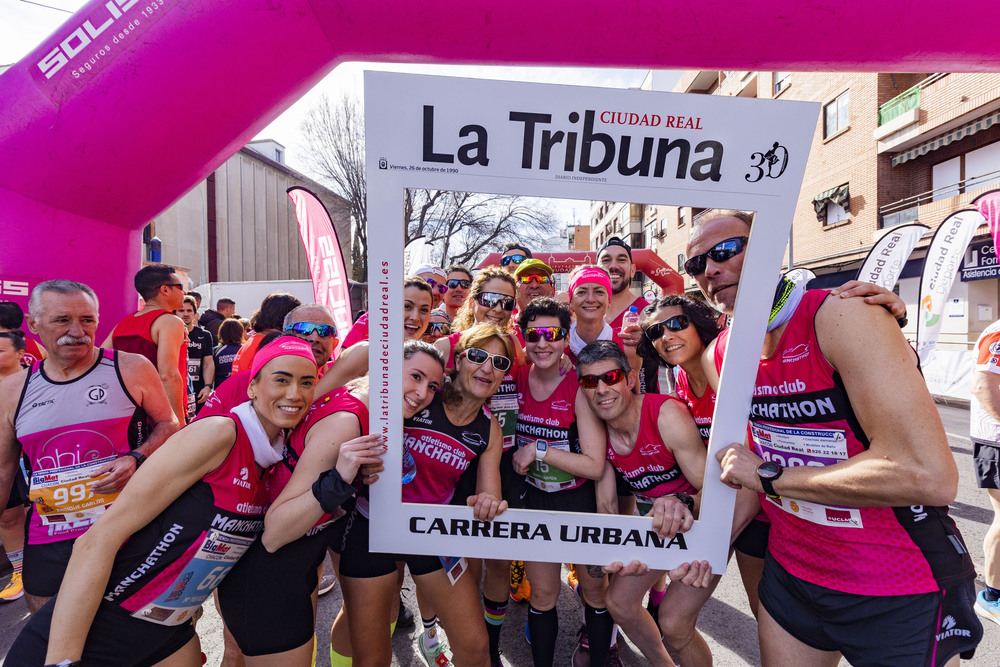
x,y
852,466
654,444
156,333
458,282
513,255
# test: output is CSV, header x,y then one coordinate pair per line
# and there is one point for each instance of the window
x,y
964,173
835,213
682,219
837,115
680,262
781,81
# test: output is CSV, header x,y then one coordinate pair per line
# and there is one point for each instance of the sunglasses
x,y
177,285
479,356
541,279
437,286
724,250
516,259
438,329
654,332
609,378
456,282
551,334
306,328
491,299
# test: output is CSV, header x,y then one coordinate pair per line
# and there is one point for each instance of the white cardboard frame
x,y
748,132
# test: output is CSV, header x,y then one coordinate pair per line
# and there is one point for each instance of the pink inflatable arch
x,y
131,102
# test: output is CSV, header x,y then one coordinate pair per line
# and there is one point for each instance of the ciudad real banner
x,y
589,144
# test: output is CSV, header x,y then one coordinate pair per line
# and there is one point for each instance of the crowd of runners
x,y
177,461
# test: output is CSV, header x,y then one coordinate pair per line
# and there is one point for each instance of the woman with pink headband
x,y
589,299
140,573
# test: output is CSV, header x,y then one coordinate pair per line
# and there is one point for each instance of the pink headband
x,y
286,345
591,274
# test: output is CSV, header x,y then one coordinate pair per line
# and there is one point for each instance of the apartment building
x,y
889,148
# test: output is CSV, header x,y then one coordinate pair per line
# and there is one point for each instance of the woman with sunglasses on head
x,y
142,570
676,332
560,456
457,417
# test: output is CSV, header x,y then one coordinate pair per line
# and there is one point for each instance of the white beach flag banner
x,y
886,259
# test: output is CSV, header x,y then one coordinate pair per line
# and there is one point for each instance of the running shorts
x,y
18,492
44,567
897,630
358,562
753,540
581,499
986,458
280,583
116,639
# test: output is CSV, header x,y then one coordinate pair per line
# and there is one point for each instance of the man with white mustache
x,y
84,418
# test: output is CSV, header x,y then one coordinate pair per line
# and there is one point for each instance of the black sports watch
x,y
768,472
139,457
686,499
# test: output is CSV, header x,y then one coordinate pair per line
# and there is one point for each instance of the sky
x,y
25,23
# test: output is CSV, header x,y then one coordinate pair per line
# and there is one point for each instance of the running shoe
x,y
581,656
988,610
614,660
14,590
572,579
520,589
327,583
435,656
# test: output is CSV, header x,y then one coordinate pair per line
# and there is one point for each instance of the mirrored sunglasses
x,y
516,259
722,251
438,329
609,378
459,282
437,286
306,328
539,278
491,299
551,334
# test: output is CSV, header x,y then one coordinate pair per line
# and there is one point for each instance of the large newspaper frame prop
x,y
488,137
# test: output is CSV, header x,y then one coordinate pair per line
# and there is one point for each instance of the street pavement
x,y
725,621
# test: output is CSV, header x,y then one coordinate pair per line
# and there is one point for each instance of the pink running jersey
x,y
66,428
702,407
650,468
801,415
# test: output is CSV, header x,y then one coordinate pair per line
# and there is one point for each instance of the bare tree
x,y
463,227
335,135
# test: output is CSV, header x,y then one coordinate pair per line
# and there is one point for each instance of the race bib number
x,y
194,369
543,476
789,447
66,495
186,591
504,408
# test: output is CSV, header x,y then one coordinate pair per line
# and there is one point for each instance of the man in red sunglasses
x,y
852,466
654,444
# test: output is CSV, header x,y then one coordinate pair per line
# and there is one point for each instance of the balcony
x,y
933,206
899,118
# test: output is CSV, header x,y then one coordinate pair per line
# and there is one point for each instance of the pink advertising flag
x,y
326,262
988,204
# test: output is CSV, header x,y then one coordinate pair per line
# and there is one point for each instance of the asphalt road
x,y
725,621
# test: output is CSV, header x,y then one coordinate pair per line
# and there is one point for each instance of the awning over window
x,y
839,195
958,133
